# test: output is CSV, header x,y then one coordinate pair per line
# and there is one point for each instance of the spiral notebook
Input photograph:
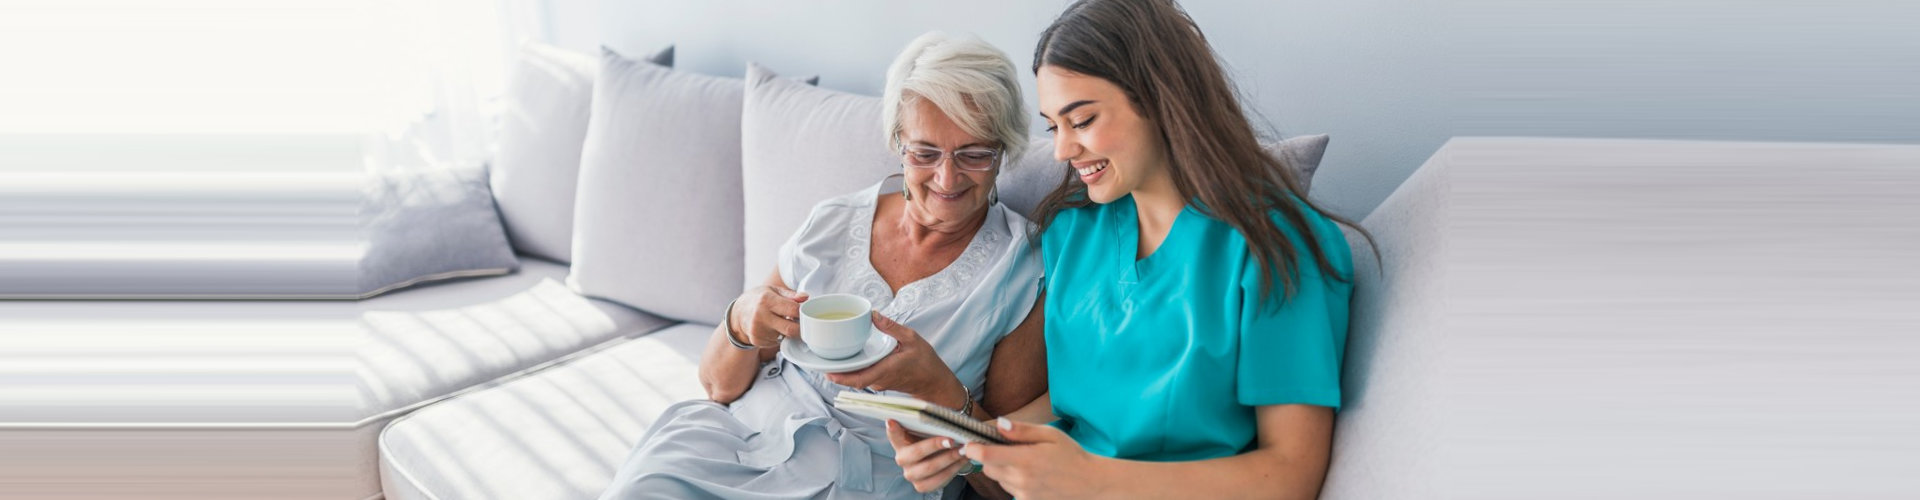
x,y
919,416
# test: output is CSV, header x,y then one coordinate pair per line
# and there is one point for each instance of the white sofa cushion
x,y
801,144
541,132
658,214
402,348
429,341
560,433
283,396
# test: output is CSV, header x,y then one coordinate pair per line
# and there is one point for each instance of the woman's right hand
x,y
927,462
765,314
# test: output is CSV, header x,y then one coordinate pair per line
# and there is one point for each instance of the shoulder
x,y
837,213
1075,220
1011,221
1067,226
1324,233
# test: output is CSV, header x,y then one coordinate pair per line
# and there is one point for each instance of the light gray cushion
x,y
428,224
559,433
542,128
1034,173
1303,154
658,222
1030,176
801,144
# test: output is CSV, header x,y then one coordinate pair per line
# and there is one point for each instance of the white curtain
x,y
443,64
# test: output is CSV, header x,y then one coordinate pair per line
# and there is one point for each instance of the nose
x,y
1064,149
946,172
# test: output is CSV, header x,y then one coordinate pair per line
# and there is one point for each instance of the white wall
x,y
1390,79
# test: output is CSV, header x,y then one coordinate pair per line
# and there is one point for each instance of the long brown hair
x,y
1154,52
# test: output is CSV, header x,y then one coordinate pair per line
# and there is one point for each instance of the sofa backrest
x,y
1385,440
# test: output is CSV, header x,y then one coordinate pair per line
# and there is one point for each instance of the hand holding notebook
x,y
919,416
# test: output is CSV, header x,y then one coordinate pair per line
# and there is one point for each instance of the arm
x,y
915,369
1016,381
929,463
1016,386
1040,411
1294,445
1296,442
1016,374
758,317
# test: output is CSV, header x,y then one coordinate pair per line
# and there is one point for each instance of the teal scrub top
x,y
1165,358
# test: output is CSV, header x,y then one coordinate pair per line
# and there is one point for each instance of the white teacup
x,y
836,326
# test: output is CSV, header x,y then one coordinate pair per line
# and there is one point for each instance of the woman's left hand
x,y
1043,463
913,368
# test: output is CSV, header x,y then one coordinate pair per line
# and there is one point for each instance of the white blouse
x,y
782,438
963,310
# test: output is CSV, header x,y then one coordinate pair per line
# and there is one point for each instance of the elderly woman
x,y
950,272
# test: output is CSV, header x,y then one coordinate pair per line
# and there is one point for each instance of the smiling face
x,y
1097,131
943,196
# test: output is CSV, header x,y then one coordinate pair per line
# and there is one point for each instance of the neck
x,y
934,234
1158,203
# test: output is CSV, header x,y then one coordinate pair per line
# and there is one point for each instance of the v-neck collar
x,y
868,213
1127,236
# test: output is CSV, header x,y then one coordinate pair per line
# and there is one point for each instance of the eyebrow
x,y
1069,107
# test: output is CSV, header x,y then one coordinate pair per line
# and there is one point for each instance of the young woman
x,y
1196,308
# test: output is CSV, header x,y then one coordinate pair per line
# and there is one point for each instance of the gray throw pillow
x,y
432,224
542,129
658,223
1035,173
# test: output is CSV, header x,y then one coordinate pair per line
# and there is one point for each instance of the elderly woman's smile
x,y
947,188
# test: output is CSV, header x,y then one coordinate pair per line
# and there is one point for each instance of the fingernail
x,y
963,449
948,444
1006,425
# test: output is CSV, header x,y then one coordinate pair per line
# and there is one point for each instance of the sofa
x,y
560,428
531,372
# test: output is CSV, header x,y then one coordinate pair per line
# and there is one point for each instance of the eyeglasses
x,y
971,159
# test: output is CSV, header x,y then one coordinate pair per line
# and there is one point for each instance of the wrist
x,y
726,325
1107,474
952,395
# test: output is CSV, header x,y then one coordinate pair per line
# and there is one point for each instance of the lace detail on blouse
x,y
858,274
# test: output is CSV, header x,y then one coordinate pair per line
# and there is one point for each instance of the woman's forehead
x,y
926,124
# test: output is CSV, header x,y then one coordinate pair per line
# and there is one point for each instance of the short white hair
x,y
971,81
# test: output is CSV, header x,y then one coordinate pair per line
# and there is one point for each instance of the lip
x,y
954,196
1080,167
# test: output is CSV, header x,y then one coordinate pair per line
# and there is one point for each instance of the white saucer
x,y
879,345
